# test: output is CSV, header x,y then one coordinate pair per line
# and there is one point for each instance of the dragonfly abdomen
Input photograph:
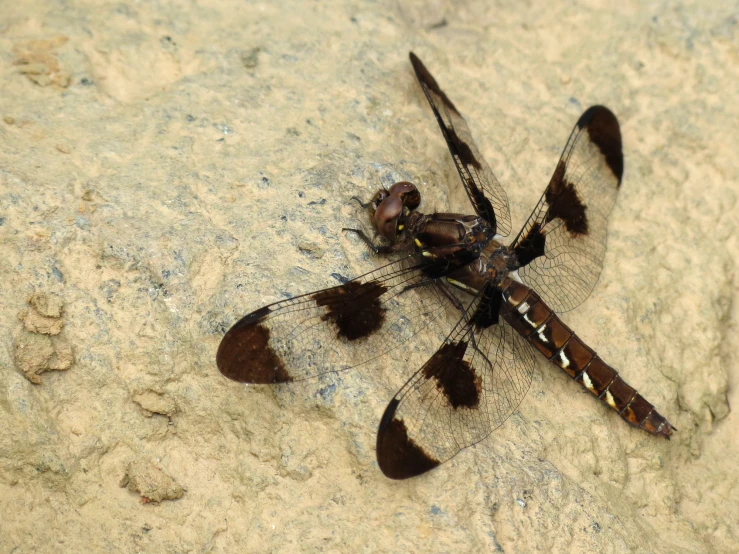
x,y
533,319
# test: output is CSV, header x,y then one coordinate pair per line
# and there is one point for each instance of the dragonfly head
x,y
389,208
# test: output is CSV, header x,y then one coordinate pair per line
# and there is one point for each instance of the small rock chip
x,y
38,60
36,354
47,304
37,323
311,249
154,403
250,59
150,482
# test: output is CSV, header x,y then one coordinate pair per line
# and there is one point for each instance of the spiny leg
x,y
376,248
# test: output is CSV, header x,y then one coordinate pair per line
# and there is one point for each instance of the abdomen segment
x,y
527,314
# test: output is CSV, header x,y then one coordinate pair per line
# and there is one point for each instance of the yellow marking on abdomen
x,y
523,307
563,359
540,331
419,243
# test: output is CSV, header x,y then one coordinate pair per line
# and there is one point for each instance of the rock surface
x,y
167,167
35,353
151,482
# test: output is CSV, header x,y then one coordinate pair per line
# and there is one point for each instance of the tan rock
x,y
47,304
154,403
37,323
151,482
36,354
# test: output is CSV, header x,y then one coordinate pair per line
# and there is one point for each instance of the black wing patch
x,y
335,328
470,386
483,189
561,247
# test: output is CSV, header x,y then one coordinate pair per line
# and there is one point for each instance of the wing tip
x,y
421,72
427,80
245,354
398,456
605,132
597,110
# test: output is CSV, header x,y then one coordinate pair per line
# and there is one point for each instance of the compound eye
x,y
386,217
408,194
377,199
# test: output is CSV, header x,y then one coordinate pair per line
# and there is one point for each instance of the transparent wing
x,y
469,387
561,247
338,327
483,189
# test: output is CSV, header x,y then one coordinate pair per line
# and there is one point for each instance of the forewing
x,y
335,328
483,189
470,386
561,247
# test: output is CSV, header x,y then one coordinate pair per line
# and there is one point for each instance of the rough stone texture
x,y
44,317
47,305
153,403
34,352
151,482
168,167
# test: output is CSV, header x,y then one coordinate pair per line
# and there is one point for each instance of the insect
x,y
507,296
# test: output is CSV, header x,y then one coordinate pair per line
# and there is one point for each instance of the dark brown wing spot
x,y
245,355
605,133
564,203
398,456
488,310
354,308
531,247
427,79
454,376
463,149
467,158
457,146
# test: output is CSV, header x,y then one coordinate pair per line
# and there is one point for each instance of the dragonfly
x,y
507,297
